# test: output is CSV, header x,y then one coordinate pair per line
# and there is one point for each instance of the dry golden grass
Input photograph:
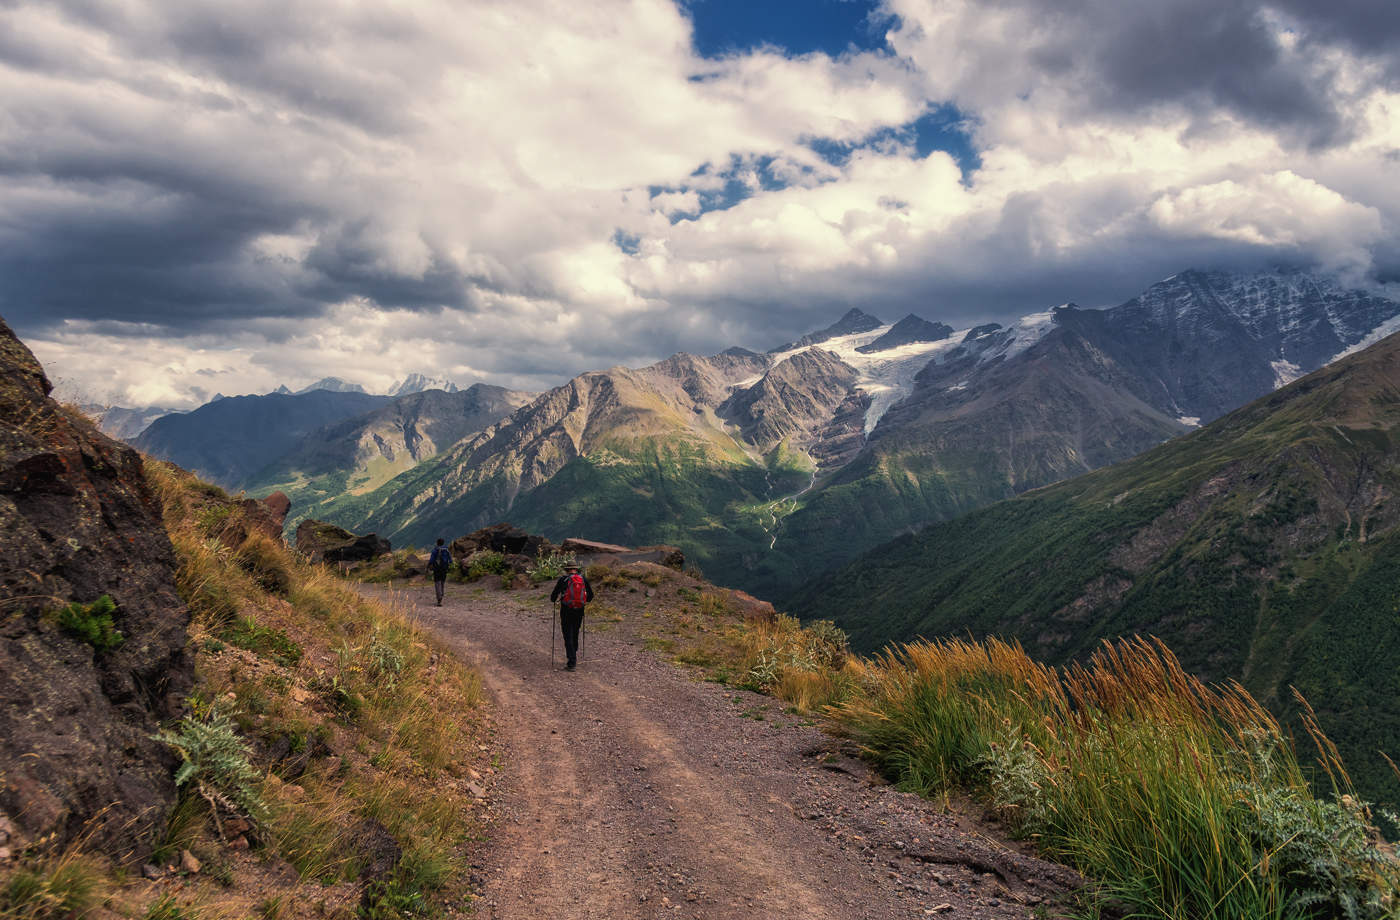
x,y
1179,799
385,719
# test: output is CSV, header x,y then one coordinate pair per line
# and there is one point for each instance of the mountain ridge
x,y
1264,547
800,458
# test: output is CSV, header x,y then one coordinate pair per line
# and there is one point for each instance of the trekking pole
x,y
553,616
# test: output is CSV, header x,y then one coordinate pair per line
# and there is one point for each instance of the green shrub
x,y
216,761
550,567
92,623
212,519
486,562
270,642
385,660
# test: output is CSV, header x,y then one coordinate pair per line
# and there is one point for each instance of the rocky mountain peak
x,y
794,400
855,321
417,383
334,384
908,331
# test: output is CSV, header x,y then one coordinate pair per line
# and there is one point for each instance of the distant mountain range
x,y
227,440
1264,548
126,424
333,384
770,467
365,450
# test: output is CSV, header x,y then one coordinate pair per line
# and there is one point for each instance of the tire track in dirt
x,y
631,790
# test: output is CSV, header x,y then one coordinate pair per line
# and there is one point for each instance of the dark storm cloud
x,y
185,167
1367,27
135,173
1208,55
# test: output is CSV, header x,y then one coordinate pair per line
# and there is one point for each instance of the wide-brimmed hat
x,y
571,565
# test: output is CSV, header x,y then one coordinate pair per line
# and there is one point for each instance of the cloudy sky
x,y
201,196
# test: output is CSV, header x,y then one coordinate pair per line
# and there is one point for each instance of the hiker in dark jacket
x,y
438,563
569,593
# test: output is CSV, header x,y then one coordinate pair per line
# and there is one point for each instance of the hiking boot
x,y
569,666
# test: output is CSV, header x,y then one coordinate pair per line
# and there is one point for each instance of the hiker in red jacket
x,y
572,591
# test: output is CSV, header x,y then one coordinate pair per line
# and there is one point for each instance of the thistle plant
x,y
216,762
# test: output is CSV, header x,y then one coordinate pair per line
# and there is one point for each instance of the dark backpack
x,y
440,560
575,595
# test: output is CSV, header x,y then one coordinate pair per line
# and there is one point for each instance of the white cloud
x,y
279,192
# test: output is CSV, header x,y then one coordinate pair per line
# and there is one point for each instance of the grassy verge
x,y
1178,800
365,729
331,757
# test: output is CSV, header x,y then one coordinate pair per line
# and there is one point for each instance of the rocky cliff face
x,y
1203,343
80,522
795,399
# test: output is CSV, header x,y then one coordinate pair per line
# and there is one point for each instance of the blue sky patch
x,y
799,26
629,243
941,128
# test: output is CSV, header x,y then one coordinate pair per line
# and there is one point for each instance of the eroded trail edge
x,y
630,789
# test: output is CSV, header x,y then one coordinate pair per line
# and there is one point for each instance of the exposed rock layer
x,y
80,522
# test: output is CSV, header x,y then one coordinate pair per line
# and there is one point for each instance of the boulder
x,y
322,542
590,548
267,515
80,521
588,552
669,556
751,607
503,538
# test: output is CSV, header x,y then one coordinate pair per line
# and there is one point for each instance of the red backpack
x,y
574,593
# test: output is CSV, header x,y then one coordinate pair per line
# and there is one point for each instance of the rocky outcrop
x,y
794,400
588,552
854,321
503,538
322,542
81,522
267,514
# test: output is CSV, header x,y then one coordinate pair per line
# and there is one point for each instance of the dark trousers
x,y
570,619
439,585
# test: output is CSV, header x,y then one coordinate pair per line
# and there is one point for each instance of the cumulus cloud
x,y
228,197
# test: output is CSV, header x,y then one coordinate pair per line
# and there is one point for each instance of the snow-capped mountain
x,y
334,384
417,383
768,466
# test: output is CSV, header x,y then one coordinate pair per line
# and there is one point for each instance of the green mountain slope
x,y
636,456
359,454
1263,548
972,434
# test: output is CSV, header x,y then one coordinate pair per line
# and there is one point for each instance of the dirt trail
x,y
632,790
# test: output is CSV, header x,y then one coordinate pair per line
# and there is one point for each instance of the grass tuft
x,y
1179,800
